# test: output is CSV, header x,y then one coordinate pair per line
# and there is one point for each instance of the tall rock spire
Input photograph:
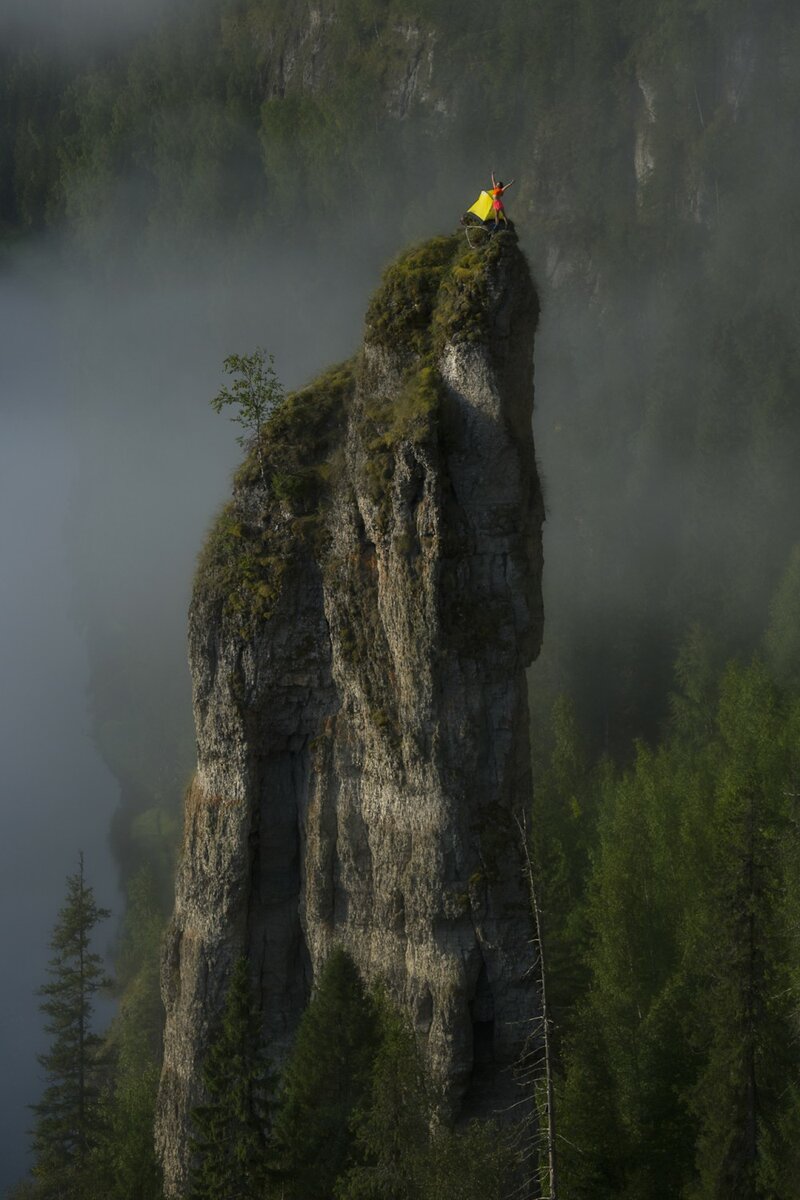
x,y
359,634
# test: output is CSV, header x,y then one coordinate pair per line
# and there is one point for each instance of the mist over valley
x,y
181,183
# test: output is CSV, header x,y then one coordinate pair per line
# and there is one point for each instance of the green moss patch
x,y
245,558
400,312
300,441
434,294
461,314
242,565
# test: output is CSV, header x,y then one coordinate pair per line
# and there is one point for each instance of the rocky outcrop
x,y
362,619
305,53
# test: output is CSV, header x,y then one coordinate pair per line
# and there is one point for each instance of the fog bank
x,y
57,795
112,465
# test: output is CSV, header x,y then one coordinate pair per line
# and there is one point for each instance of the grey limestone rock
x,y
359,634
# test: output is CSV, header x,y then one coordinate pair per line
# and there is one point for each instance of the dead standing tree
x,y
536,1066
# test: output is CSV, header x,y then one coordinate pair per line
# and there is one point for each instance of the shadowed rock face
x,y
359,633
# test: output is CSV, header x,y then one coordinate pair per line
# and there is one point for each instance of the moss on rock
x,y
461,314
242,565
299,441
251,544
399,313
435,294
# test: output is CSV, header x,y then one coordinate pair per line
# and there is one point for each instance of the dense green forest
x,y
654,145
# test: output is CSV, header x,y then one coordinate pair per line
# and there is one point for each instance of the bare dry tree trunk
x,y
550,1111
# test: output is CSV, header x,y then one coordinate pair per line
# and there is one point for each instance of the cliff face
x,y
362,619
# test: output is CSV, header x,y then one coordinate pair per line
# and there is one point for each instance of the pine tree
x,y
327,1079
392,1130
124,1165
231,1130
636,902
627,1042
68,1117
564,819
743,1096
595,1147
476,1163
405,1152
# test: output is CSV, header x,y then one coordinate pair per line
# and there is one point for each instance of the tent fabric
x,y
482,208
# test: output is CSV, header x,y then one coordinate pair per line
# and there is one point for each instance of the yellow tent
x,y
482,208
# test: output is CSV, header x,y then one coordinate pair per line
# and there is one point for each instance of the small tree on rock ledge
x,y
255,394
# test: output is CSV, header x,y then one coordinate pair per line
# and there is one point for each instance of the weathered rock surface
x,y
359,633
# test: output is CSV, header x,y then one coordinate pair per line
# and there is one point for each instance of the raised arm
x,y
507,186
494,181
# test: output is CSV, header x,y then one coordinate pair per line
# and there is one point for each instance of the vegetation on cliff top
x,y
435,292
400,312
290,471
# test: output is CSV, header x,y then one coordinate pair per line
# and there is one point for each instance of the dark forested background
x,y
223,172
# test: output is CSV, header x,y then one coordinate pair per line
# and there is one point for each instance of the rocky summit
x,y
364,612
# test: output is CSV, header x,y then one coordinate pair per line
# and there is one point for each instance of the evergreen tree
x,y
231,1129
693,707
68,1115
392,1130
626,1044
124,1165
327,1080
594,1144
405,1152
744,1095
564,817
476,1163
688,1032
630,1042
